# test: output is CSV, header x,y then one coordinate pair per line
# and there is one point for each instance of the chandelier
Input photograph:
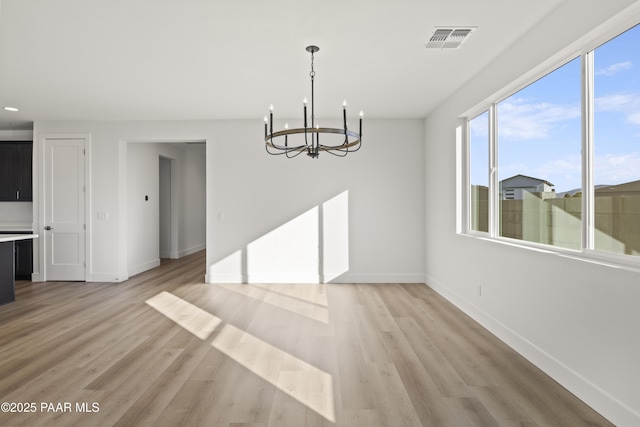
x,y
307,139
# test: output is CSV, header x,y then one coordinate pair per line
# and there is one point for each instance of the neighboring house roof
x,y
578,190
626,188
524,178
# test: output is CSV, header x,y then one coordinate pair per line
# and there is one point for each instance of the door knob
x,y
47,227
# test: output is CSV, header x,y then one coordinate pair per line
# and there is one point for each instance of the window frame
x,y
587,249
469,202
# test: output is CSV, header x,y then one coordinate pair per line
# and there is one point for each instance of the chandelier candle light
x,y
277,142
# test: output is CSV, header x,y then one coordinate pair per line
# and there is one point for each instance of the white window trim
x,y
588,193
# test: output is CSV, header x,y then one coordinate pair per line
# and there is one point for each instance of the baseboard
x,y
106,277
314,278
184,252
144,267
379,278
94,277
283,278
191,250
598,399
224,278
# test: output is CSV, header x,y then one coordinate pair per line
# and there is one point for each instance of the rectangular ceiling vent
x,y
448,37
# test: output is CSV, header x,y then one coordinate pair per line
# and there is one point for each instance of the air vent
x,y
448,37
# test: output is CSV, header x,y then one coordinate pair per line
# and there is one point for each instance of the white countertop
x,y
14,237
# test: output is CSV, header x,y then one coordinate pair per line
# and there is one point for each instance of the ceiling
x,y
231,59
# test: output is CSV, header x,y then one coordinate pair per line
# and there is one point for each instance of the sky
x,y
539,131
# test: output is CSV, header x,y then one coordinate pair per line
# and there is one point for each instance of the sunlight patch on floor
x,y
302,381
192,318
279,299
314,293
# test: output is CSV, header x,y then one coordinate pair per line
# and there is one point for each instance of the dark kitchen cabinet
x,y
16,171
8,167
7,284
22,256
23,259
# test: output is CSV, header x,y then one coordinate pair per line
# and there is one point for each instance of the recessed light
x,y
14,109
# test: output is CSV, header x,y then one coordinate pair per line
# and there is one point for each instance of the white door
x,y
64,211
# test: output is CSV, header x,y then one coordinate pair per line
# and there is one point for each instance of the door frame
x,y
39,198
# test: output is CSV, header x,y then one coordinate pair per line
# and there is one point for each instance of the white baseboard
x,y
95,277
379,278
597,398
191,250
283,278
184,252
224,278
144,267
106,277
314,278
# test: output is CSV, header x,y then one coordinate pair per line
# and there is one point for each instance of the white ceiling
x,y
230,59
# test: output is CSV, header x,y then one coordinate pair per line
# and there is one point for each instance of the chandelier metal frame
x,y
277,142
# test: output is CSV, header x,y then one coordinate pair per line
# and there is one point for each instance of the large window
x,y
616,144
539,141
584,113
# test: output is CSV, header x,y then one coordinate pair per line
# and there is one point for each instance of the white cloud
x,y
518,119
565,173
626,103
615,102
612,70
479,128
617,168
561,166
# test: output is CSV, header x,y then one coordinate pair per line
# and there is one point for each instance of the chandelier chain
x,y
312,74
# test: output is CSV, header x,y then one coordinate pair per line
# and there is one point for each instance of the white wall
x,y
576,320
191,200
16,135
375,197
270,217
16,216
165,207
143,237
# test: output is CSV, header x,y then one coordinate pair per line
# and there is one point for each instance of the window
x,y
479,172
539,142
616,143
528,153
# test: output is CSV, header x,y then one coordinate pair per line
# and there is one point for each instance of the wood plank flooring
x,y
165,349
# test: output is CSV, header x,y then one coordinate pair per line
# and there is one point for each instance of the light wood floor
x,y
165,349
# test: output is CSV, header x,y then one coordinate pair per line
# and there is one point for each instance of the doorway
x,y
166,202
